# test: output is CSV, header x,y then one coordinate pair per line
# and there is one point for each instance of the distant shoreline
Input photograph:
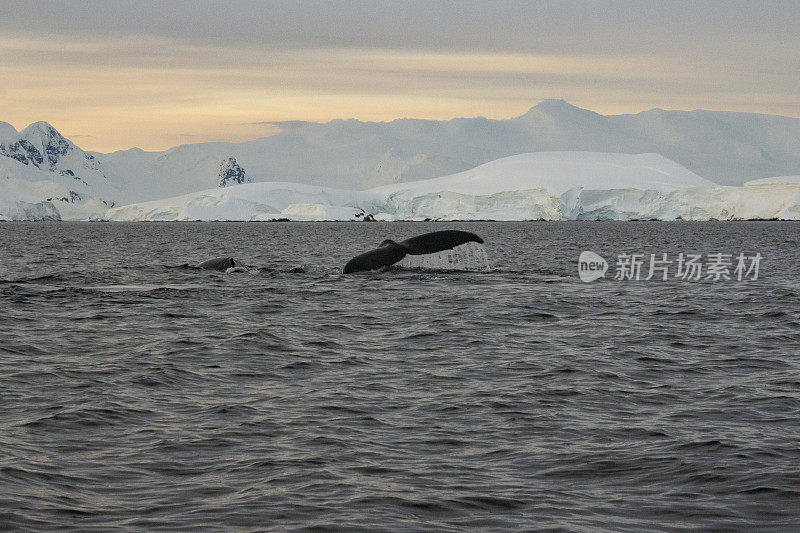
x,y
284,221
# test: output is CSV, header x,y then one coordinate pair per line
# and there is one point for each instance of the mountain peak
x,y
41,128
554,102
41,141
7,132
556,107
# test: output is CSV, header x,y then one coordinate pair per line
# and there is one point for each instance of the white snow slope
x,y
549,186
253,201
775,179
17,206
558,172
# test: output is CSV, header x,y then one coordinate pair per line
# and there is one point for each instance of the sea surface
x,y
138,393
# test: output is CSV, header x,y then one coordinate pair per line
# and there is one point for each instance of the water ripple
x,y
138,395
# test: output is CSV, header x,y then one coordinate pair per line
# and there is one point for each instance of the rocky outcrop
x,y
230,173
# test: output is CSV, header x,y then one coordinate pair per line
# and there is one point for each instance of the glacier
x,y
535,186
16,206
780,201
253,202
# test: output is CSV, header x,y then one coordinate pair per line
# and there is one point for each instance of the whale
x,y
390,252
219,263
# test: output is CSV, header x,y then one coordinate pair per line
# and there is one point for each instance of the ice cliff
x,y
544,185
16,206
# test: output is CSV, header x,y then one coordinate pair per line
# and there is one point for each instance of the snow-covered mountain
x,y
523,187
39,162
727,148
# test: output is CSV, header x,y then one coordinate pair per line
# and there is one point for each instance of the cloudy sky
x,y
111,75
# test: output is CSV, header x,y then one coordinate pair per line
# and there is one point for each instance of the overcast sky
x,y
112,75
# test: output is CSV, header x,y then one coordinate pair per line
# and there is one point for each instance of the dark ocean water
x,y
137,394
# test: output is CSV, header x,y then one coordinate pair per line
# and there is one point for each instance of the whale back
x,y
218,263
437,241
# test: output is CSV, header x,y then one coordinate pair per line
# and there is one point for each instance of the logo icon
x,y
591,266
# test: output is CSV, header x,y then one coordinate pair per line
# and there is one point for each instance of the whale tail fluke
x,y
438,241
390,252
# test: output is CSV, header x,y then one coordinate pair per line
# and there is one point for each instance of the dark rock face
x,y
73,198
91,163
23,151
53,144
33,153
230,173
13,152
